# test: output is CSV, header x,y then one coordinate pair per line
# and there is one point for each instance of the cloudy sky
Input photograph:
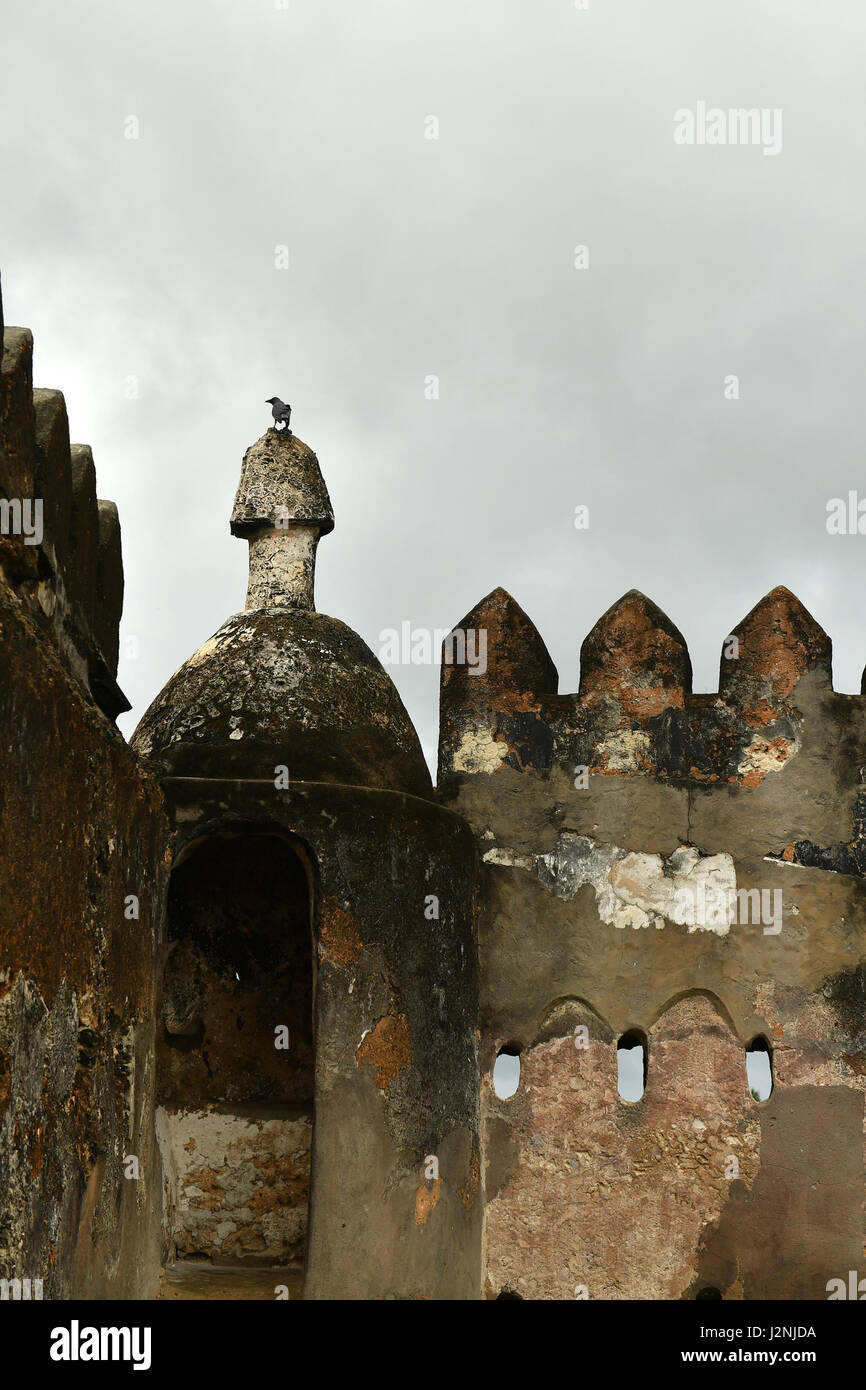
x,y
153,263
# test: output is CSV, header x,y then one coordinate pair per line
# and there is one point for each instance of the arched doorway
x,y
235,1057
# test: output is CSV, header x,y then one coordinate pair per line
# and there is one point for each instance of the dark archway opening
x,y
235,1053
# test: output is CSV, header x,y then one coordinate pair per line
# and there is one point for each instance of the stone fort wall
x,y
599,817
81,834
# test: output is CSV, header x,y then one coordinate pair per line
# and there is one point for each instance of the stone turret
x,y
305,845
282,507
280,683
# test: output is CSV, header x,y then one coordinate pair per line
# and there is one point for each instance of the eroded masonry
x,y
257,973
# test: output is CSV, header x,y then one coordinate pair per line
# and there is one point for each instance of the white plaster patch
x,y
479,751
634,889
509,860
577,861
691,889
624,749
762,757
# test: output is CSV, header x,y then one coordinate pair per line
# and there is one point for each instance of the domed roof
x,y
284,686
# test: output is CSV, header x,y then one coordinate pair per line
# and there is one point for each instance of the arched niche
x,y
235,1048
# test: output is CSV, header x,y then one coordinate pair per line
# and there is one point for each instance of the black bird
x,y
281,412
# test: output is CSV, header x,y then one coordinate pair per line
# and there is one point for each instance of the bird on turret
x,y
281,412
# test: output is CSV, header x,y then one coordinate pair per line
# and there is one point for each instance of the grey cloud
x,y
260,127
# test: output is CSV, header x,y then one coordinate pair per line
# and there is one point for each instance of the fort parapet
x,y
82,859
600,817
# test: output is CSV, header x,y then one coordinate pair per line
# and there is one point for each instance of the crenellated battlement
x,y
60,546
634,713
681,873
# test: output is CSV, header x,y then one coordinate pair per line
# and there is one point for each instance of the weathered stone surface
x,y
777,642
81,829
615,1203
635,658
635,715
237,965
495,671
280,482
646,797
388,985
84,534
108,605
693,1185
17,443
238,1185
17,415
285,687
517,667
52,558
53,480
282,568
395,1018
387,1048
